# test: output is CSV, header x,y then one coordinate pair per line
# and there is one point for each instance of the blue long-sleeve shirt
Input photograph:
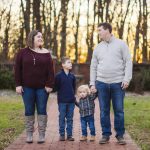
x,y
65,86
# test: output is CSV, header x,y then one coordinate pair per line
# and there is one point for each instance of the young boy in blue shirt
x,y
65,83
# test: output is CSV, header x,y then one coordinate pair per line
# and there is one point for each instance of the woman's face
x,y
38,40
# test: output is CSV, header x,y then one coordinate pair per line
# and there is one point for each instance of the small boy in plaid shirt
x,y
86,108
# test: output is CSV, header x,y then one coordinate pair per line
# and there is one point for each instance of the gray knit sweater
x,y
111,62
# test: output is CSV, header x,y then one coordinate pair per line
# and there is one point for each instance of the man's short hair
x,y
106,26
64,59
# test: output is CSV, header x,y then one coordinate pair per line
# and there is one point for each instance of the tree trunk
x,y
64,9
76,34
6,36
144,33
26,16
56,22
90,49
138,28
36,14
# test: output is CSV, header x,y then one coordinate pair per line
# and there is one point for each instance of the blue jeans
x,y
106,93
90,121
35,98
66,111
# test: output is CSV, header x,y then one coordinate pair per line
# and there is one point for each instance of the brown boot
x,y
29,123
83,138
42,123
92,138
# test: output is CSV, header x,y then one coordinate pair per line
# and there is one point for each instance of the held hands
x,y
124,85
93,89
19,90
48,89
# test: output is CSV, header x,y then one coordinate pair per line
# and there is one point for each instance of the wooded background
x,y
69,27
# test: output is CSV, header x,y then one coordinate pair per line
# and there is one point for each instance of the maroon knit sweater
x,y
32,73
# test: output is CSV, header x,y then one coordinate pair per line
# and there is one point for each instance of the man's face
x,y
102,32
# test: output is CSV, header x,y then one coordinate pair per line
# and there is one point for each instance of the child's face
x,y
67,65
83,93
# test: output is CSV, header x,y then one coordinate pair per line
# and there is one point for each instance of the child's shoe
x,y
92,138
83,138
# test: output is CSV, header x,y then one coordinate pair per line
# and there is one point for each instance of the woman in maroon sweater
x,y
34,75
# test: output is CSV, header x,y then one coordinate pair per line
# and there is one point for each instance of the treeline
x,y
69,27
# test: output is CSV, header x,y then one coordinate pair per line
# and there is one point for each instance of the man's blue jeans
x,y
90,121
66,111
106,93
35,98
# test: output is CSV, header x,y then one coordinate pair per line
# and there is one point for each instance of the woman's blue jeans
x,y
35,98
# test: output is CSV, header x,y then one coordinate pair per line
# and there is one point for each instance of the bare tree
x,y
6,35
2,12
47,22
91,41
107,2
122,19
64,9
55,32
76,33
36,15
138,29
26,15
144,32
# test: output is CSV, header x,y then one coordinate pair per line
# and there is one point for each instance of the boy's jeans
x,y
106,92
35,97
90,121
66,111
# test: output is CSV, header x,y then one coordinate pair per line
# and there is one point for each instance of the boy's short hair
x,y
83,87
64,59
106,26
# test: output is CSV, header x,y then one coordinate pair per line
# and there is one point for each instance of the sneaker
x,y
83,138
121,140
62,138
92,138
104,140
70,138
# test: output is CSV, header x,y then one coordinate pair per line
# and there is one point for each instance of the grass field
x,y
11,119
137,120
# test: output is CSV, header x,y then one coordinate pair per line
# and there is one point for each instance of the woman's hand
x,y
19,89
48,89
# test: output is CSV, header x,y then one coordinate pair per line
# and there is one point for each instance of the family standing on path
x,y
110,75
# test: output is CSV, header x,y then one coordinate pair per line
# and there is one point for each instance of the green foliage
x,y
146,78
140,81
6,79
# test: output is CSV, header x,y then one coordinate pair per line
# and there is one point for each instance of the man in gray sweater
x,y
110,74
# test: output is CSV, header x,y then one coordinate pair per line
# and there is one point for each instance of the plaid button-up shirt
x,y
86,105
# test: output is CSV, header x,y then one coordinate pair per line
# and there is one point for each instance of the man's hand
x,y
93,89
19,89
124,85
48,90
